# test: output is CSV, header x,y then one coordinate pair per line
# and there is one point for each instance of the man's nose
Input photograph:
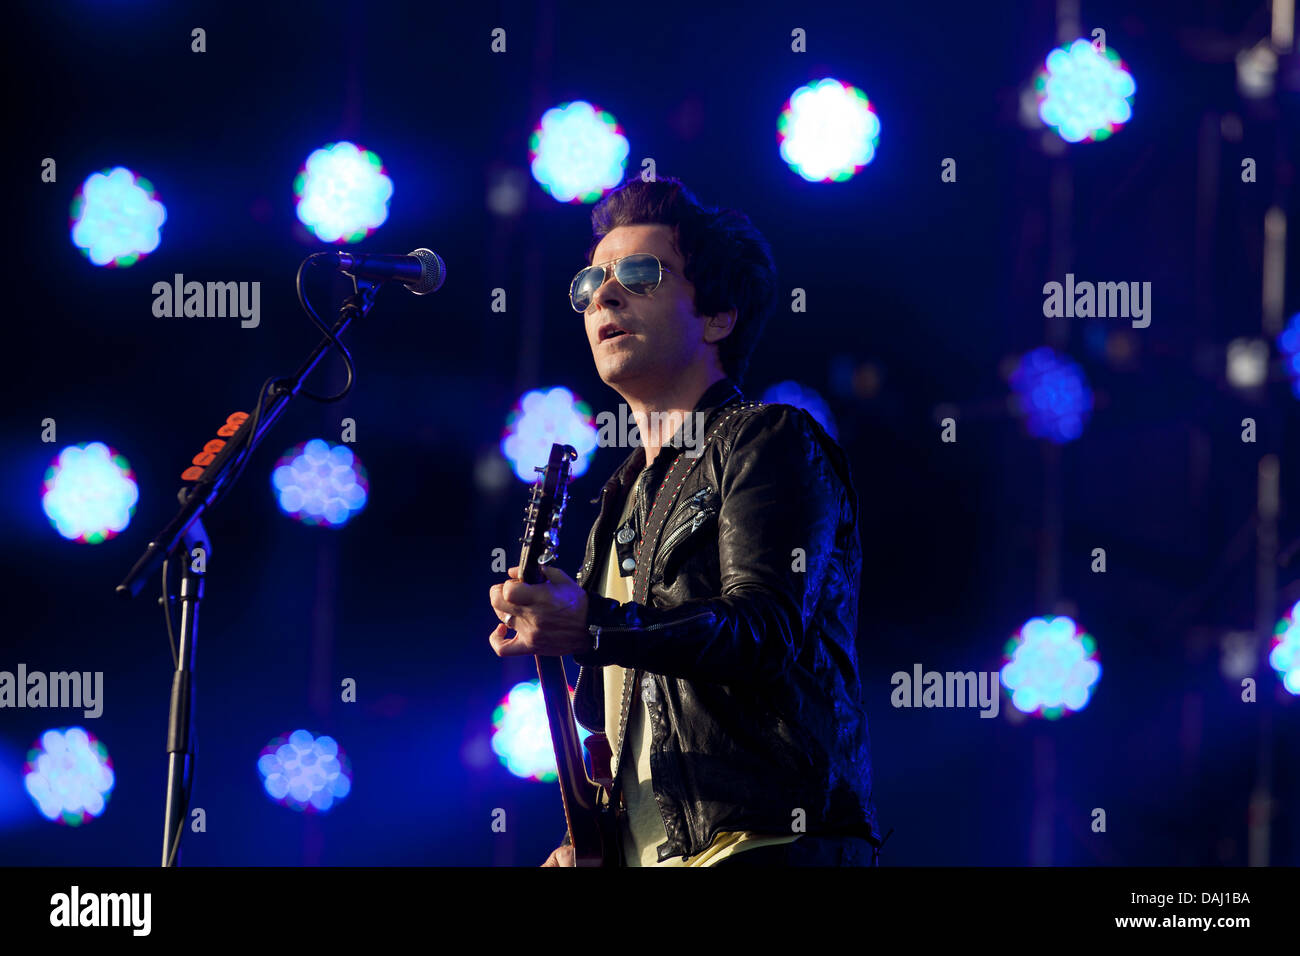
x,y
609,294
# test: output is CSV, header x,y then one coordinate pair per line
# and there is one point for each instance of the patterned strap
x,y
658,517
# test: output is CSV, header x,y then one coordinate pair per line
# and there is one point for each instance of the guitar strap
x,y
655,521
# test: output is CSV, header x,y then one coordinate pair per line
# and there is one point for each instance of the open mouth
x,y
608,332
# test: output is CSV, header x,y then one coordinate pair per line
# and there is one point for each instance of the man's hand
x,y
549,619
561,856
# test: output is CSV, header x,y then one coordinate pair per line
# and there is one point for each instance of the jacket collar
x,y
720,394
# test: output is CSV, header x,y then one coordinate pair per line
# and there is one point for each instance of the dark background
x,y
933,284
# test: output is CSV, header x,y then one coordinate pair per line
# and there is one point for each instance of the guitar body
x,y
593,828
602,759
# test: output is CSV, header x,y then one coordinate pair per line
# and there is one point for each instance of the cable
x,y
188,782
176,841
246,452
188,785
167,613
272,384
328,332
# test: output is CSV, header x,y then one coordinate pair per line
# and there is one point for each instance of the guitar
x,y
592,827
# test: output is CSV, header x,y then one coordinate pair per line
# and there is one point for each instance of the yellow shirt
x,y
643,827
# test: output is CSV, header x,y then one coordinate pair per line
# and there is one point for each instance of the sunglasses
x,y
639,273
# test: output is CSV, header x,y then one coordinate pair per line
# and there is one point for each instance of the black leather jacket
x,y
741,628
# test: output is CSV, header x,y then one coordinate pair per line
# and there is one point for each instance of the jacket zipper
x,y
591,538
652,627
685,528
589,562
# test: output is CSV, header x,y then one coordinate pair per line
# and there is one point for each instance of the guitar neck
x,y
576,787
588,826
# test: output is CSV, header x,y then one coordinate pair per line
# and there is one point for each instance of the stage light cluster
x,y
320,484
343,193
1084,93
542,419
521,735
69,776
1052,395
1288,344
577,152
828,131
1051,667
1285,654
90,493
117,218
305,772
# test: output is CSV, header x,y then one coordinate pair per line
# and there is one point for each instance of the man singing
x,y
715,613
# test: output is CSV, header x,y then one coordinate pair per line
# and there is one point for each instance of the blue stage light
x,y
1285,655
828,131
1288,343
542,419
521,737
577,152
305,772
1083,93
90,493
320,484
1052,395
1052,667
800,396
343,192
116,218
69,776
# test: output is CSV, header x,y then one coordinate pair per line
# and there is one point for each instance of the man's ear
x,y
718,327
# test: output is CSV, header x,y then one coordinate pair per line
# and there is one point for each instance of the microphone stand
x,y
180,757
184,534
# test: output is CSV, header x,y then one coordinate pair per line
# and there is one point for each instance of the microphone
x,y
422,271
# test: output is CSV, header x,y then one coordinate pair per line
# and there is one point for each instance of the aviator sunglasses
x,y
639,273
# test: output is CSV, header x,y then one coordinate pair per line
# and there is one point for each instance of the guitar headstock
x,y
544,513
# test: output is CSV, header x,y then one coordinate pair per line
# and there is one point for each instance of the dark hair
x,y
727,259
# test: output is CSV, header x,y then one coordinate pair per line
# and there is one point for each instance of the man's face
x,y
661,334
